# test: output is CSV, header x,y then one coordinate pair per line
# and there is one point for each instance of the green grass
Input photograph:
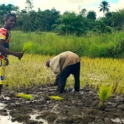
x,y
52,44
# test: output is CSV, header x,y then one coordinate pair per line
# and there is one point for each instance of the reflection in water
x,y
34,116
2,105
7,119
118,120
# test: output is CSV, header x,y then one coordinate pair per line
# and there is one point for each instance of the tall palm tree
x,y
104,6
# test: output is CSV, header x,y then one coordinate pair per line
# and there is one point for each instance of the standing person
x,y
63,65
10,22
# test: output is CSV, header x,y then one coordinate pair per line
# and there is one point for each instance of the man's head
x,y
10,21
48,63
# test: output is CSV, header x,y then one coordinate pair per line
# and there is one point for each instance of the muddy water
x,y
75,107
118,120
33,117
2,105
7,119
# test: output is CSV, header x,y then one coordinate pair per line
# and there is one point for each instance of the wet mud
x,y
75,108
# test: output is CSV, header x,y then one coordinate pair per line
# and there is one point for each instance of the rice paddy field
x,y
94,72
100,100
101,96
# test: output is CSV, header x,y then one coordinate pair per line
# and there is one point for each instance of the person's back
x,y
70,58
59,62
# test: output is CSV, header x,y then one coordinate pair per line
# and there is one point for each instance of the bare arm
x,y
6,51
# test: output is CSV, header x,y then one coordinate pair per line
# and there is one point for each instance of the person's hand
x,y
19,54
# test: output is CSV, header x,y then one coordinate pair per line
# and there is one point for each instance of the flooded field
x,y
31,76
75,108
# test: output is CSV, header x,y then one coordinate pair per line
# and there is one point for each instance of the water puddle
x,y
33,117
2,105
118,120
7,119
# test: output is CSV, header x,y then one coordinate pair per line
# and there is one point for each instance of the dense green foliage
x,y
82,33
104,45
80,24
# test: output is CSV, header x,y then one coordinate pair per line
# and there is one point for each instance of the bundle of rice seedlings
x,y
56,98
25,96
27,46
104,93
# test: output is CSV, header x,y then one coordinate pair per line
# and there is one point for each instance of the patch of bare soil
x,y
75,108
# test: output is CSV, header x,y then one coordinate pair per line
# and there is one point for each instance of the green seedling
x,y
104,93
25,96
27,46
56,98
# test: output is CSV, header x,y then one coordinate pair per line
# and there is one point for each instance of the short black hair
x,y
9,15
48,63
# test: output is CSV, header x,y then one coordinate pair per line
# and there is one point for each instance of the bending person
x,y
63,65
